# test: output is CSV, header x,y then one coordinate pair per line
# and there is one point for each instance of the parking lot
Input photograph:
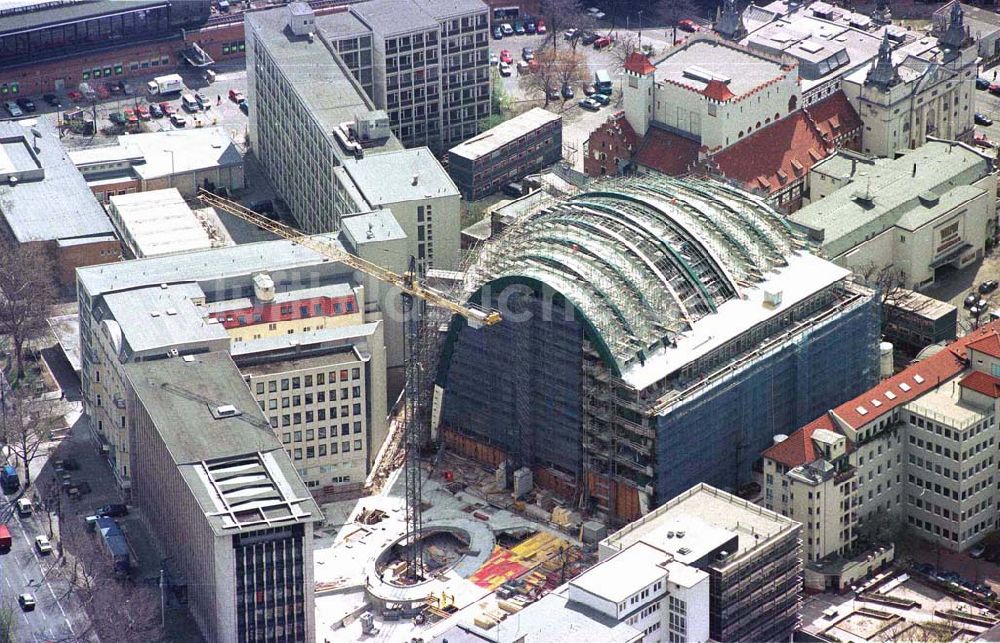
x,y
221,111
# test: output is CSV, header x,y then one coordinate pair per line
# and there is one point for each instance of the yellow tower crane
x,y
411,288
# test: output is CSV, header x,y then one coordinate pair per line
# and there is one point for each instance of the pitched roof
x,y
773,156
718,90
982,383
667,152
990,344
638,63
908,384
834,116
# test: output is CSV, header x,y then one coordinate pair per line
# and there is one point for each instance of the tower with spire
x,y
883,73
956,37
730,23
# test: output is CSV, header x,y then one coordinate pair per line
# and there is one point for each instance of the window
x,y
357,445
357,427
298,454
345,446
260,387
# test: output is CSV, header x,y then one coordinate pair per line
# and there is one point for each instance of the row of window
x,y
235,47
307,399
319,433
307,380
288,419
320,451
948,453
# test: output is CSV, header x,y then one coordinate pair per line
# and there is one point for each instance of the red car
x,y
602,42
75,96
167,108
540,27
236,96
688,25
995,89
505,57
142,112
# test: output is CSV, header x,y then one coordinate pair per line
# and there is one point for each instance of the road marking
x,y
70,626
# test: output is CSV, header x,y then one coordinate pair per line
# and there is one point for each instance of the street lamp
x,y
173,168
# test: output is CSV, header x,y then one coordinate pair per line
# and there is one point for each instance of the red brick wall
x,y
102,191
607,144
70,258
212,40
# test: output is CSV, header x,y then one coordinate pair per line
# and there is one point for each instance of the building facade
x,y
508,152
912,453
195,429
632,376
928,210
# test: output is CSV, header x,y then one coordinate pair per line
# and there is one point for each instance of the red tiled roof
x,y
667,152
717,90
834,116
940,367
286,311
982,383
638,63
989,345
764,159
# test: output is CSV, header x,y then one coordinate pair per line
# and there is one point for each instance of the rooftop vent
x,y
918,379
171,311
301,19
189,359
226,411
890,395
928,199
701,74
861,410
903,386
154,313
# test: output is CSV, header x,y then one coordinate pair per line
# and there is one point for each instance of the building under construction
x,y
657,333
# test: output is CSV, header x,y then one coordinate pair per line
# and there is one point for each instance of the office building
x,y
917,450
283,313
45,202
188,160
929,210
224,501
327,149
913,321
508,152
666,329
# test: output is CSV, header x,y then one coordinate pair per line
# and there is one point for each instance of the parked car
x,y
688,25
75,95
567,92
13,109
26,601
505,57
988,286
26,104
588,37
981,140
52,100
112,511
507,29
130,115
125,87
235,95
529,27
155,111
497,33
540,27
570,34
527,54
603,99
142,112
590,104
923,568
202,100
504,69
970,300
982,83
167,108
43,545
595,13
523,67
244,107
589,90
553,94
980,549
519,29
995,89
24,507
602,42
494,59
982,119
178,120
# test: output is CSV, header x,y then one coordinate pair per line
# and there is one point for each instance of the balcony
x,y
844,476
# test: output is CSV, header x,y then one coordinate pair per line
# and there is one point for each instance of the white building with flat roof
x,y
158,223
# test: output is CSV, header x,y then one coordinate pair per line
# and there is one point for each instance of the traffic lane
x,y
25,571
988,105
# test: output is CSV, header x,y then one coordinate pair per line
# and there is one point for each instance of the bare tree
x,y
889,283
544,78
26,423
558,15
572,69
26,294
626,45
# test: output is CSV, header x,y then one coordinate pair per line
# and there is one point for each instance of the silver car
x,y
13,109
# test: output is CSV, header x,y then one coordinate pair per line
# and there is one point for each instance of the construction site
x,y
652,321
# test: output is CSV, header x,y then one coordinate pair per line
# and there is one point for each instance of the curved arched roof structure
x,y
642,259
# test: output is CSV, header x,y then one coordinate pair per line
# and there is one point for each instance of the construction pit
x,y
483,555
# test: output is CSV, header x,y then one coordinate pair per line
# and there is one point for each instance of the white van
x,y
190,103
24,507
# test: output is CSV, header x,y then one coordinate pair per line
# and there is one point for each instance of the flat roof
x,y
341,24
214,264
389,178
921,305
59,205
898,186
754,525
158,222
328,90
625,573
286,365
120,152
739,69
147,324
358,334
947,402
180,151
371,227
504,133
181,396
388,18
444,9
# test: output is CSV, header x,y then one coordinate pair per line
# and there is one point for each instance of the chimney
x,y
854,166
914,170
416,179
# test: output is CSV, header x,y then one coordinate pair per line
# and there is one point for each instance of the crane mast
x,y
414,293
